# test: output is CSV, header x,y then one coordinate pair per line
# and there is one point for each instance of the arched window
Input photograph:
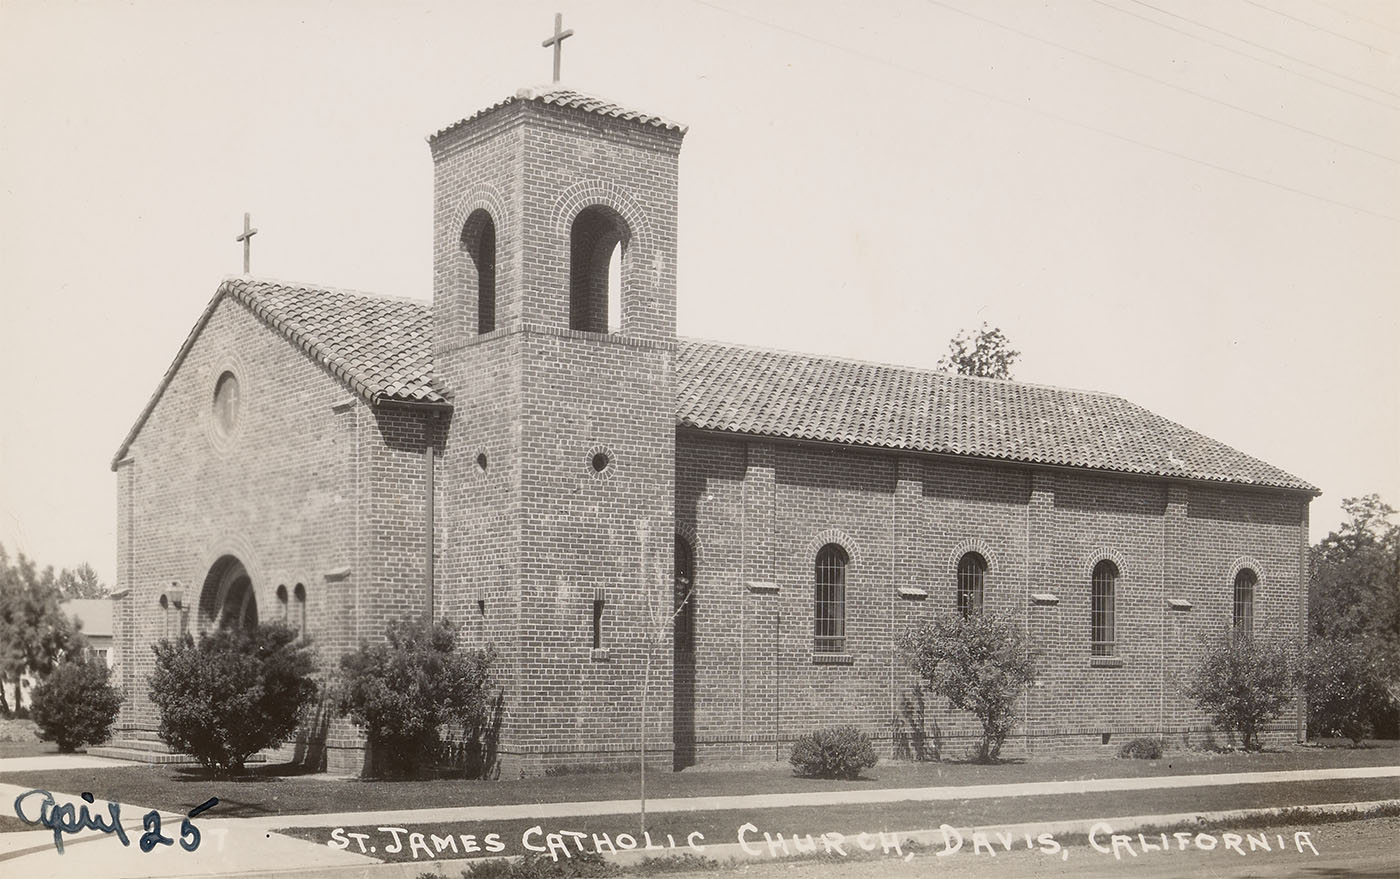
x,y
597,247
299,610
830,600
685,595
479,244
972,571
1101,635
282,603
164,616
1245,582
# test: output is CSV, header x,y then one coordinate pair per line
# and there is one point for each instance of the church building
x,y
538,457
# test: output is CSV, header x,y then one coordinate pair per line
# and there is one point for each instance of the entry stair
x,y
141,746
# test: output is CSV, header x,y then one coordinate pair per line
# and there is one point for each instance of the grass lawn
x,y
10,824
27,749
269,790
722,827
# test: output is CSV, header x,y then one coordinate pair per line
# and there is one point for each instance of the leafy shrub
x,y
1142,749
1345,686
75,705
979,663
1242,683
232,693
835,752
401,691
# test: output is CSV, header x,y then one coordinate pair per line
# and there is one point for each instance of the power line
x,y
1253,58
1345,14
1163,82
885,62
1226,33
1317,27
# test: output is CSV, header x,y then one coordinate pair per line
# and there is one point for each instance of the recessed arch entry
x,y
599,239
228,598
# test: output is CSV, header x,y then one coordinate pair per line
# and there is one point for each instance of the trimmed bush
x,y
835,752
75,705
1142,749
1242,683
980,664
232,693
402,691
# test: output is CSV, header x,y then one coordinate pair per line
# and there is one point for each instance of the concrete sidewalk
x,y
248,846
813,798
48,762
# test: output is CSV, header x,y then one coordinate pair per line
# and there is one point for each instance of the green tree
x,y
232,693
987,353
1355,596
76,705
81,582
1242,683
34,630
980,664
402,690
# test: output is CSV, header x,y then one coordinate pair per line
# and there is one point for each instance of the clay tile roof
x,y
563,97
772,393
381,348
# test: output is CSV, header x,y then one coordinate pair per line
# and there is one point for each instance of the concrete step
x,y
140,744
122,751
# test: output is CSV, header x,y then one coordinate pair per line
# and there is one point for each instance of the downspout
x,y
428,521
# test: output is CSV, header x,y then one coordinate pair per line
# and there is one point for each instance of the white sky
x,y
859,179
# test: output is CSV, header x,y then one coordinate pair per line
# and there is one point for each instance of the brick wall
x,y
761,510
312,487
538,536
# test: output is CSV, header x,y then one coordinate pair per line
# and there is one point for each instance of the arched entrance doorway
x,y
227,598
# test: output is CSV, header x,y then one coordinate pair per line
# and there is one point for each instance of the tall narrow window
x,y
479,244
597,624
1101,632
972,571
1245,581
299,608
830,603
282,603
597,242
685,595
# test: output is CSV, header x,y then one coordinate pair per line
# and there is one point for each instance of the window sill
x,y
1105,662
600,654
833,659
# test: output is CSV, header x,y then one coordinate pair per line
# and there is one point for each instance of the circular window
x,y
226,400
601,462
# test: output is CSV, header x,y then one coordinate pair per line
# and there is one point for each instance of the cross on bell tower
x,y
557,41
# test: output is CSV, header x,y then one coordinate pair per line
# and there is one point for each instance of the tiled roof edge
x,y
1296,484
556,95
239,287
319,349
902,367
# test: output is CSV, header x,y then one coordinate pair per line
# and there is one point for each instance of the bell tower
x,y
554,309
